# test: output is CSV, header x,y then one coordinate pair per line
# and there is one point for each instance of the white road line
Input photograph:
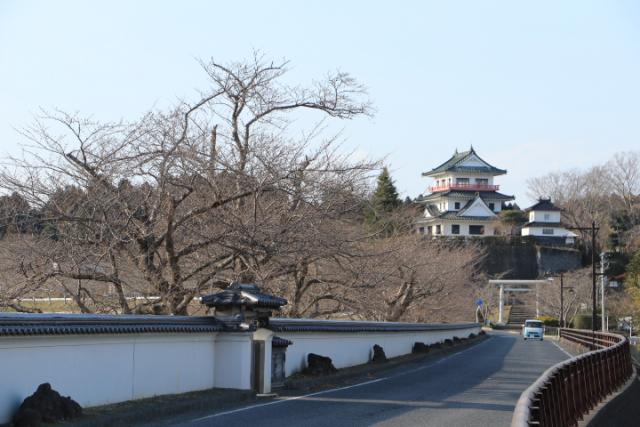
x,y
275,402
246,408
562,350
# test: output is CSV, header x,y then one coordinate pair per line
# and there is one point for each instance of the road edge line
x,y
562,349
288,399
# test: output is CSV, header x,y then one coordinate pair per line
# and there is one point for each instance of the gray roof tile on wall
x,y
314,325
20,324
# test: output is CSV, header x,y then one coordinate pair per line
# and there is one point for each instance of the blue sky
x,y
534,86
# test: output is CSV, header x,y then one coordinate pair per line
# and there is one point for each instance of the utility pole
x,y
593,278
604,325
562,324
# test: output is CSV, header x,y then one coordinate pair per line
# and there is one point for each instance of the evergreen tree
x,y
385,198
384,201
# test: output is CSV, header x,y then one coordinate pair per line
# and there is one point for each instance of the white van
x,y
533,329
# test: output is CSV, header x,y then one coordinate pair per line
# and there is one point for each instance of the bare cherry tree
x,y
623,171
408,277
188,199
577,294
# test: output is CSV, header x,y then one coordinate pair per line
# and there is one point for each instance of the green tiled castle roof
x,y
485,195
453,165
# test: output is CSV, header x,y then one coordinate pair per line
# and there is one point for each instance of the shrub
x,y
549,321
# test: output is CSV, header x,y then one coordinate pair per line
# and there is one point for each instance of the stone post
x,y
262,366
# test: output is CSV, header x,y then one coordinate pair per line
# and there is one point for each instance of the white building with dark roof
x,y
464,200
545,223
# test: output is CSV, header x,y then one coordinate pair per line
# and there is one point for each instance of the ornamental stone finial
x,y
244,302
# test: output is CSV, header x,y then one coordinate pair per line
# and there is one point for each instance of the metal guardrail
x,y
570,389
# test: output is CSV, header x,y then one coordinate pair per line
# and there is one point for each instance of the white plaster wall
x,y
450,178
497,205
176,364
538,216
537,231
102,369
464,229
233,361
355,348
479,208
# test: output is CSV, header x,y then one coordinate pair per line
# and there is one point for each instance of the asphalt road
x,y
477,386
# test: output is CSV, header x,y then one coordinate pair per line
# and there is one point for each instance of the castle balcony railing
x,y
464,187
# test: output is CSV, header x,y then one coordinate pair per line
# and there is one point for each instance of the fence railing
x,y
570,389
464,186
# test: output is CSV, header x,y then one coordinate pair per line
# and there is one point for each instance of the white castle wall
x,y
103,369
355,348
98,369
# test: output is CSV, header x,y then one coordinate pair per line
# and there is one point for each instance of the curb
x,y
151,409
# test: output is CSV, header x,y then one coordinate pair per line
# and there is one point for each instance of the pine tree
x,y
384,201
385,198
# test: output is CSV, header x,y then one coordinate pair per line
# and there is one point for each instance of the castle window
x,y
457,205
547,217
547,231
482,181
429,230
421,230
492,206
476,229
455,229
462,180
438,229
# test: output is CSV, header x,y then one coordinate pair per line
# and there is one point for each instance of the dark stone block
x,y
456,340
472,335
378,354
45,405
448,342
27,418
436,345
319,365
420,347
482,332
